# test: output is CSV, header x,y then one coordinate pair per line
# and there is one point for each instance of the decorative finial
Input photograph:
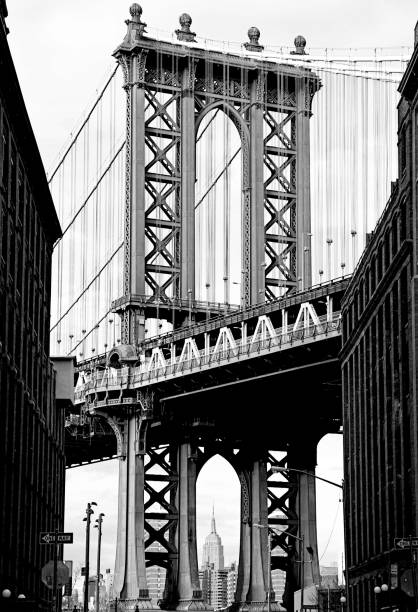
x,y
185,34
254,36
135,11
136,28
300,44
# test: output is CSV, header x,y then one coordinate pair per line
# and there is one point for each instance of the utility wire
x,y
332,530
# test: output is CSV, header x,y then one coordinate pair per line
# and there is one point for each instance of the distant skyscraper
x,y
218,583
213,551
108,581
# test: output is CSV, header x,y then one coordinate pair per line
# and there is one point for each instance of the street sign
x,y
48,537
406,542
47,574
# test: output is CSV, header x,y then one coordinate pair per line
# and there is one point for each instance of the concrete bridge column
x,y
130,583
304,506
307,521
254,580
188,584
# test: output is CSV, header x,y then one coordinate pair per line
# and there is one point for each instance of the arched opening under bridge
x,y
218,495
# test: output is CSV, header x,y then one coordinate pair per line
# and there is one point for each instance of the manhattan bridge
x,y
214,201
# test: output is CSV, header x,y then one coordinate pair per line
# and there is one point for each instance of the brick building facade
x,y
32,424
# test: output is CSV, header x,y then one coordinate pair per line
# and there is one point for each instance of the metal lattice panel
x,y
162,186
280,201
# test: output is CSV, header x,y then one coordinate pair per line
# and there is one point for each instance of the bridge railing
x,y
212,356
251,311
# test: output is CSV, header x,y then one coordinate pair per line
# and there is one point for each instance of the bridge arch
x,y
222,165
233,114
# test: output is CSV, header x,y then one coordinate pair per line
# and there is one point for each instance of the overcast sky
x,y
62,50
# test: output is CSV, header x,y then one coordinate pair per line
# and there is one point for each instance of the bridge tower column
x,y
253,581
188,179
304,94
130,582
257,273
133,62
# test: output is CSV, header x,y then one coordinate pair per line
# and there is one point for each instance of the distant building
x,y
278,582
217,581
213,551
108,582
156,574
214,587
231,583
32,424
329,576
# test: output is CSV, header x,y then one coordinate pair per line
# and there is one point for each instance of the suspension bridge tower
x,y
171,88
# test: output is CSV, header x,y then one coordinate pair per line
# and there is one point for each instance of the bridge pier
x,y
188,584
254,576
130,581
304,507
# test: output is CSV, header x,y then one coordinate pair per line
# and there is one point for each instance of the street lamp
x,y
259,526
189,293
382,588
302,561
280,469
275,468
89,512
98,526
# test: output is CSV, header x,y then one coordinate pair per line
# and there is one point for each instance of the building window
x,y
402,152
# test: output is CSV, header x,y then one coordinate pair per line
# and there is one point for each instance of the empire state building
x,y
213,551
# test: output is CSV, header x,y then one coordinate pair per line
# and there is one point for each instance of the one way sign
x,y
411,542
52,537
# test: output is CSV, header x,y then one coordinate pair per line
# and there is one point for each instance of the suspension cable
x,y
222,172
99,180
100,96
87,287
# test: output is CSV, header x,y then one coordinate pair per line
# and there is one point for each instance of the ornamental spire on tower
x,y
213,525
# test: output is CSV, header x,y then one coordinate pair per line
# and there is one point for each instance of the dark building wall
x,y
31,432
379,372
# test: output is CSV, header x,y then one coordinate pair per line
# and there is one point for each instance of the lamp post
x,y
302,560
259,526
98,526
207,300
87,518
189,293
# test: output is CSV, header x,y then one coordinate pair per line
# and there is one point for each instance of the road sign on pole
x,y
406,542
49,537
47,574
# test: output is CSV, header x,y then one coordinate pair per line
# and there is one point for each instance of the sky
x,y
62,51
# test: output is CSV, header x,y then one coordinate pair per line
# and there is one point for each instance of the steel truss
x,y
268,104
